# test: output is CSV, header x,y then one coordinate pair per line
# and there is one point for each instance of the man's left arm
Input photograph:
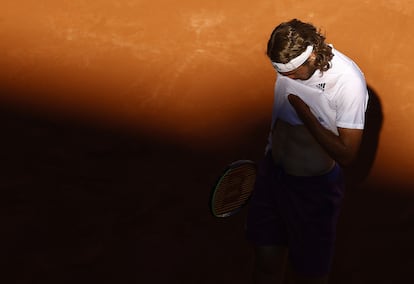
x,y
343,148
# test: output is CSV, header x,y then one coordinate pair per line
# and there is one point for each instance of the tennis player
x,y
320,98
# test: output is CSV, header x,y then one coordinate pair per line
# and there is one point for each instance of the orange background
x,y
196,71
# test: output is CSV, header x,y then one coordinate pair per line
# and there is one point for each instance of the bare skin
x,y
295,149
303,150
342,148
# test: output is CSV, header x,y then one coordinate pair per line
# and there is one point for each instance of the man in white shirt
x,y
317,125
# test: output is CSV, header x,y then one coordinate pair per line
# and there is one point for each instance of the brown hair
x,y
288,40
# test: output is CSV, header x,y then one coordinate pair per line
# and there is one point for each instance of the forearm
x,y
343,148
330,142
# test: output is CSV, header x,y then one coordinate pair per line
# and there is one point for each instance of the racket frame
x,y
230,167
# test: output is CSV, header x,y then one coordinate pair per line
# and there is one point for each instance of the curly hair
x,y
289,39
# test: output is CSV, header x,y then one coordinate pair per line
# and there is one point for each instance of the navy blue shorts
x,y
298,212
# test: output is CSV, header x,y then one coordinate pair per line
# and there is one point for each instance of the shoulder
x,y
349,81
346,69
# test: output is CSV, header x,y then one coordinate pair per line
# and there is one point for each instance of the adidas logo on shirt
x,y
321,86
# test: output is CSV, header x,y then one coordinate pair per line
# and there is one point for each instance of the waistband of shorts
x,y
330,175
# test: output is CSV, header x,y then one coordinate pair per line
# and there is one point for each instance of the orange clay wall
x,y
196,70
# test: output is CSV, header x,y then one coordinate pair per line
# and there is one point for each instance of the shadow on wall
x,y
81,204
361,168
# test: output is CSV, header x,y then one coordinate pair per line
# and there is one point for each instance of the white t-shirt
x,y
338,98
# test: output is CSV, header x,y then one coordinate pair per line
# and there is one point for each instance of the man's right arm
x,y
342,148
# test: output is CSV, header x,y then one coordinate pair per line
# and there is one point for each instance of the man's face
x,y
303,72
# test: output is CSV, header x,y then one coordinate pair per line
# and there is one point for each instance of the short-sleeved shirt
x,y
338,97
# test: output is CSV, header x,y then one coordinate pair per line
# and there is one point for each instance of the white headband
x,y
295,62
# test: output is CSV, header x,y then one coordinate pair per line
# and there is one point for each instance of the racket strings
x,y
234,189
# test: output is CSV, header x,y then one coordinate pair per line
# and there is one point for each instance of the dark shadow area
x,y
375,233
83,204
360,170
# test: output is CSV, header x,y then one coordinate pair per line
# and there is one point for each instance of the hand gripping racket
x,y
233,188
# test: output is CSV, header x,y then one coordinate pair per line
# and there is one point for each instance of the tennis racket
x,y
233,188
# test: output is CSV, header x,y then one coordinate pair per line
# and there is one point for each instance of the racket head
x,y
233,188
